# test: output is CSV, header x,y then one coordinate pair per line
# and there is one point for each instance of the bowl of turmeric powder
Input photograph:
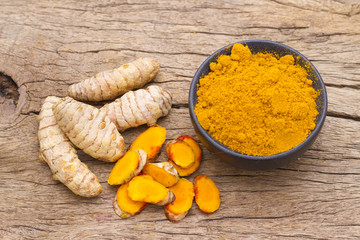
x,y
257,104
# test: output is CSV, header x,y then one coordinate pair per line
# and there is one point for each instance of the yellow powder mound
x,y
257,104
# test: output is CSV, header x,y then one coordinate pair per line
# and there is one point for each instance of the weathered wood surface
x,y
47,45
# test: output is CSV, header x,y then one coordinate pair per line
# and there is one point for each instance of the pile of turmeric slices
x,y
143,181
71,121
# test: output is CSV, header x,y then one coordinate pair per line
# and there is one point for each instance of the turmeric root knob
x,y
124,206
144,188
207,195
58,152
127,167
180,153
134,108
109,84
163,173
184,196
150,141
183,172
89,129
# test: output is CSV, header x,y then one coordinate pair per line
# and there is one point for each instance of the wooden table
x,y
47,45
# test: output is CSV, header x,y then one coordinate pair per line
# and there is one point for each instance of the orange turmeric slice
x,y
180,153
184,196
124,206
150,141
163,172
127,167
183,172
207,195
144,188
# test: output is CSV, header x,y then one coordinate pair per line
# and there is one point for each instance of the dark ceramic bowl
x,y
259,162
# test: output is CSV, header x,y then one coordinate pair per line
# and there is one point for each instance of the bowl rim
x,y
227,150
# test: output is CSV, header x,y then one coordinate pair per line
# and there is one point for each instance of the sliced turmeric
x,y
184,196
89,129
144,188
207,195
127,167
124,206
197,151
58,152
163,173
109,84
134,108
180,153
150,141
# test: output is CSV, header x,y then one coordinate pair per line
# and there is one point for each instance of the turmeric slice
x,y
127,167
183,172
124,206
184,196
144,188
109,84
134,108
163,173
207,195
58,152
180,153
150,141
89,129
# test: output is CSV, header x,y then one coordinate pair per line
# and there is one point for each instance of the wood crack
x,y
132,50
250,218
343,115
180,105
307,236
307,9
30,113
355,86
30,227
177,234
322,172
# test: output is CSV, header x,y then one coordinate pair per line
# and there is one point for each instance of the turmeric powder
x,y
257,104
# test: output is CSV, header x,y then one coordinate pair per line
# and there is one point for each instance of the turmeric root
x,y
150,141
144,188
184,196
58,152
139,107
127,167
180,153
163,173
207,195
124,206
89,129
109,84
197,151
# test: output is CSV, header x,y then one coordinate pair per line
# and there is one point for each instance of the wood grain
x,y
47,45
